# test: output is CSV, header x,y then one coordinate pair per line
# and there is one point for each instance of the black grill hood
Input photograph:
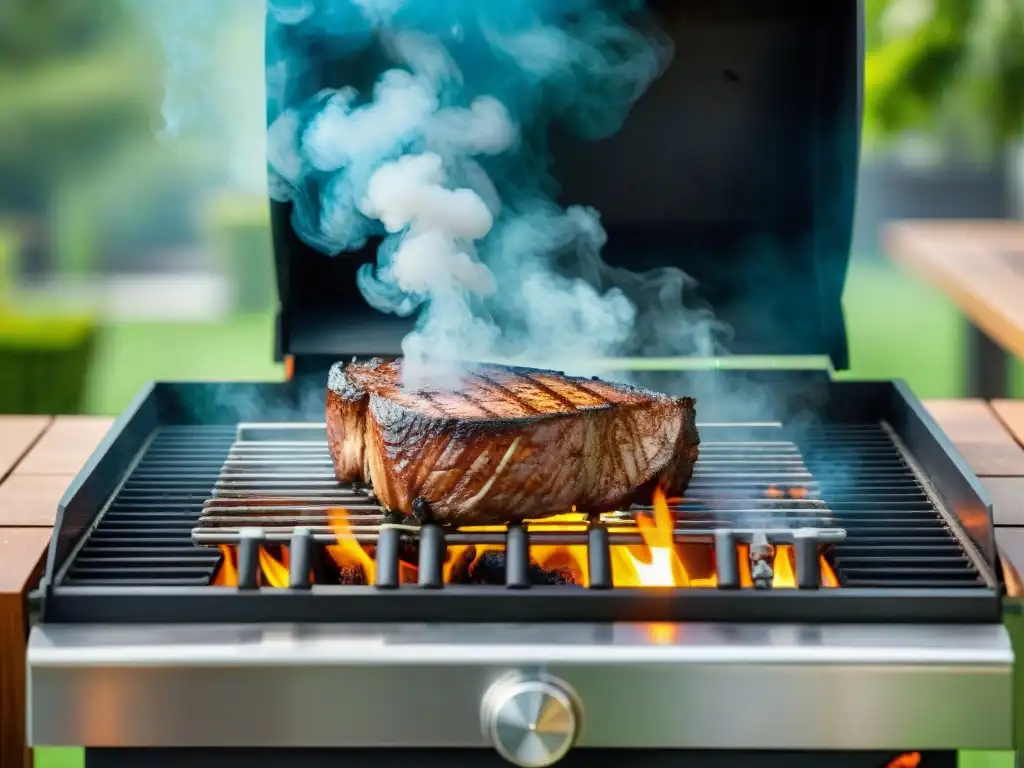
x,y
748,147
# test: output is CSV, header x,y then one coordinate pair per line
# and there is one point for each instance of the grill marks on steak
x,y
509,444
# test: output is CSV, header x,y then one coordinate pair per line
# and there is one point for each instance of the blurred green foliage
x,y
44,363
937,64
8,252
995,77
74,83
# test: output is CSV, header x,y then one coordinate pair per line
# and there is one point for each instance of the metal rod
x,y
388,565
727,560
517,557
324,535
249,543
599,557
432,556
808,571
762,556
300,554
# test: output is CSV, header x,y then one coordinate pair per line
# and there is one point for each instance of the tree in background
x,y
945,66
77,82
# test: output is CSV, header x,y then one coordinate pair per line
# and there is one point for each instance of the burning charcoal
x,y
422,511
352,576
561,576
460,568
490,569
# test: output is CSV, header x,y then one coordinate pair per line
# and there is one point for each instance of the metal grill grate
x,y
749,478
895,535
143,538
276,478
279,482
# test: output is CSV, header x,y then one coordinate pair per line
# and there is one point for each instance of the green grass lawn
x,y
898,328
131,354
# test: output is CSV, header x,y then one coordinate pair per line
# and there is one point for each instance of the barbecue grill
x,y
214,597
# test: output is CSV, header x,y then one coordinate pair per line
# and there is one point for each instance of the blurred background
x,y
126,256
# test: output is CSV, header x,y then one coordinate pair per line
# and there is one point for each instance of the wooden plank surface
x,y
38,459
989,435
65,446
1010,544
31,500
982,438
21,557
1007,495
17,435
1011,413
977,264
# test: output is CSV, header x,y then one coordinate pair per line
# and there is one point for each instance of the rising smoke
x,y
441,153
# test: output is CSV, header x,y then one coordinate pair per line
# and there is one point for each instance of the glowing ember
x,y
658,562
571,559
908,760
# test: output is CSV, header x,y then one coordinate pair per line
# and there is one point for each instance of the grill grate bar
x,y
325,535
144,538
882,549
132,580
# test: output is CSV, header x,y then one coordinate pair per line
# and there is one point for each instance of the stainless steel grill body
x,y
641,686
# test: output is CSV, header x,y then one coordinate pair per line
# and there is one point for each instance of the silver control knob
x,y
531,721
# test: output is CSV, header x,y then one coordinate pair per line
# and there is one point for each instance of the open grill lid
x,y
739,166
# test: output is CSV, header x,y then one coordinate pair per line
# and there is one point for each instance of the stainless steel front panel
x,y
712,686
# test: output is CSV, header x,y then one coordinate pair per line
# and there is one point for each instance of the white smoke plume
x,y
436,149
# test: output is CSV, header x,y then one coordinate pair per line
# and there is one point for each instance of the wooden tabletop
x,y
39,456
991,435
978,264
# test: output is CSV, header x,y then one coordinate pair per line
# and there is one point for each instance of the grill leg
x,y
987,366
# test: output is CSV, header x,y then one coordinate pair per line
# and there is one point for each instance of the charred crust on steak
x,y
422,512
511,444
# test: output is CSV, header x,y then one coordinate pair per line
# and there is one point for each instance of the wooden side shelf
x,y
39,456
990,435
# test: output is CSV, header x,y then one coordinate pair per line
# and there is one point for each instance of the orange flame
x,y
657,562
274,572
227,573
348,552
908,760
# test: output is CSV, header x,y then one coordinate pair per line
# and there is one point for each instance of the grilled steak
x,y
509,444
